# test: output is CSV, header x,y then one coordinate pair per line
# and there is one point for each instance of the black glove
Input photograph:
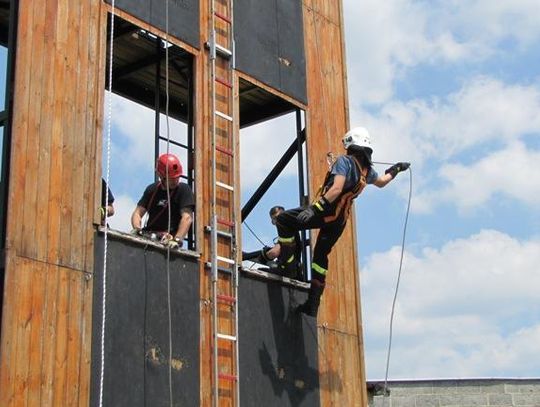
x,y
311,211
396,168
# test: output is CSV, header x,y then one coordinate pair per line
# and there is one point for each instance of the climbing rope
x,y
105,239
169,311
385,390
254,234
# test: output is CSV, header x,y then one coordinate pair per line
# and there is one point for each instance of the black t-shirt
x,y
155,202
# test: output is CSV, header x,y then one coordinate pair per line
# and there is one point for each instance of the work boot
x,y
311,306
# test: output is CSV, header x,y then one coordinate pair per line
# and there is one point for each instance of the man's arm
x,y
391,173
136,217
273,253
382,180
335,190
110,210
186,219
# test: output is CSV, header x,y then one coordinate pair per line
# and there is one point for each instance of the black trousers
x,y
288,225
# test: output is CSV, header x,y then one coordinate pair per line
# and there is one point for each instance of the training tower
x,y
189,327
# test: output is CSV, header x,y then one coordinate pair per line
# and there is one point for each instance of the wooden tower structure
x,y
221,338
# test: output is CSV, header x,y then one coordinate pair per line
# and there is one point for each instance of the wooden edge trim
x,y
271,90
264,275
117,235
150,28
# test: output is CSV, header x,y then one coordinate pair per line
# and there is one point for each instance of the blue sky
x,y
453,87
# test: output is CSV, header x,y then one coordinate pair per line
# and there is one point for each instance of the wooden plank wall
x,y
53,200
341,358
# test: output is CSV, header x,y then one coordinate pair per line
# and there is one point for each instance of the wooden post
x,y
53,199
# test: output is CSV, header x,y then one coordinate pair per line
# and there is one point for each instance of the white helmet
x,y
357,136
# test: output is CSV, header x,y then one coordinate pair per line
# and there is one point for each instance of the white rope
x,y
105,245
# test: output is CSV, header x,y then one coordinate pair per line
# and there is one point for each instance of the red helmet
x,y
171,162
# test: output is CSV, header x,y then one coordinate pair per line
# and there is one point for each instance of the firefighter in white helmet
x,y
346,179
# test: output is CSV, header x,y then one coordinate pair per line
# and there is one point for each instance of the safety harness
x,y
342,205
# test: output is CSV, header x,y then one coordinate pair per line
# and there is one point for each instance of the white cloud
x,y
454,306
385,39
135,129
262,145
506,172
486,120
136,125
518,19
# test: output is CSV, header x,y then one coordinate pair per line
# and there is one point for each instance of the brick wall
x,y
457,393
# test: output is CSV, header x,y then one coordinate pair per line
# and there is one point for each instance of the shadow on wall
x,y
294,373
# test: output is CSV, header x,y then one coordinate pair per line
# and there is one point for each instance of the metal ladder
x,y
223,229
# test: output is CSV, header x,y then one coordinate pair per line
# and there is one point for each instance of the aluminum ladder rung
x,y
223,270
223,52
208,229
224,116
225,186
226,337
226,260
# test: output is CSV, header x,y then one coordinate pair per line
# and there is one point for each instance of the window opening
x,y
273,170
139,121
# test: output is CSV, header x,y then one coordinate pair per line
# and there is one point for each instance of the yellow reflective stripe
x,y
315,267
286,239
290,259
318,206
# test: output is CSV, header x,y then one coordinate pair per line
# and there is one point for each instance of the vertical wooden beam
x,y
46,325
341,359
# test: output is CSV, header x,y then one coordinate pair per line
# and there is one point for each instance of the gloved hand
x,y
103,213
397,168
311,211
263,254
172,242
136,232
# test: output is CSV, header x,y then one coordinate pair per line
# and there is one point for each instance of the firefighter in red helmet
x,y
164,196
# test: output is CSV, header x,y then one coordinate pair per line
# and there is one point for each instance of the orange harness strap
x,y
345,200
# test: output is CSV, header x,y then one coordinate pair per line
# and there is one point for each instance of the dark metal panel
x,y
183,16
292,62
256,40
137,327
270,44
278,347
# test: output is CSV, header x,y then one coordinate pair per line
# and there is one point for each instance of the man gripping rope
x,y
155,201
348,176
